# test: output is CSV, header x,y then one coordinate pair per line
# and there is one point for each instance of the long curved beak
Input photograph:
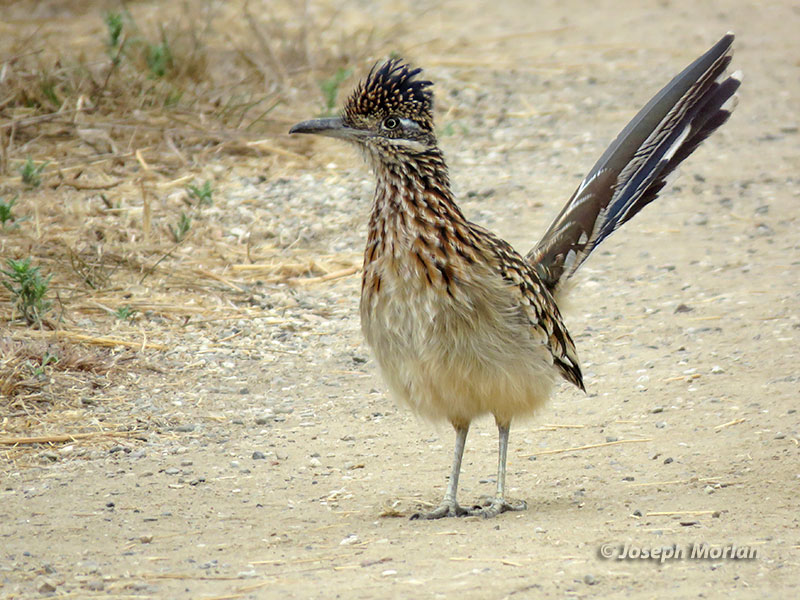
x,y
330,127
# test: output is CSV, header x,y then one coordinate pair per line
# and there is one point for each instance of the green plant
x,y
48,87
6,211
159,59
46,360
32,173
330,88
452,127
180,230
28,288
125,313
115,23
202,194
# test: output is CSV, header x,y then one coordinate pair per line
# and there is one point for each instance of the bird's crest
x,y
392,89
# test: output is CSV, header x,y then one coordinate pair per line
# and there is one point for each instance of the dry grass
x,y
175,83
29,369
118,137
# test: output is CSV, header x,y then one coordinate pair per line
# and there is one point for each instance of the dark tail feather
x,y
633,170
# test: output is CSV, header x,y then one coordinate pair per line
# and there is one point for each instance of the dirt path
x,y
271,461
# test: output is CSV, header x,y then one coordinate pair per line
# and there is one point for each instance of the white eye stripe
x,y
412,145
409,124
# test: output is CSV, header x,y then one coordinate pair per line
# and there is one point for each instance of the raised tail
x,y
634,168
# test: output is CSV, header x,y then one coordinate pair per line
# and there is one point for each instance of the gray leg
x,y
498,504
449,506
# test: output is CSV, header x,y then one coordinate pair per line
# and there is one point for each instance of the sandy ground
x,y
273,464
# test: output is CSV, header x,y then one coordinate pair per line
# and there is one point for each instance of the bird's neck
x,y
413,194
415,226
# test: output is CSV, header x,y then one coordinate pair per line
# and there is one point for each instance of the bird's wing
x,y
634,168
537,303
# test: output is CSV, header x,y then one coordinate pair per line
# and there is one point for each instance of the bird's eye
x,y
390,123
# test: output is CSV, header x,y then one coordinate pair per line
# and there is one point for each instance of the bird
x,y
460,324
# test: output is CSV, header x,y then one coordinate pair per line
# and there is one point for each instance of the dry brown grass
x,y
70,94
120,144
29,370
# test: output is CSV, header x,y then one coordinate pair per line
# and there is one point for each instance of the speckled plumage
x,y
459,322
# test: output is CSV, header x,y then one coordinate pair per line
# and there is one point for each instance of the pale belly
x,y
457,358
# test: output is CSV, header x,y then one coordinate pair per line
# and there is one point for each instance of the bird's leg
x,y
498,504
449,506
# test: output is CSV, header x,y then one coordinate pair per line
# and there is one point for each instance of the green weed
x,y
48,87
180,230
330,88
125,313
47,359
159,59
115,23
6,211
202,194
28,288
32,173
453,127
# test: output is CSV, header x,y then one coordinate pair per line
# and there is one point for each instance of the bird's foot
x,y
492,507
445,509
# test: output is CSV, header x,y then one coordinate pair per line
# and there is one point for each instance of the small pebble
x,y
171,471
661,424
258,455
667,460
46,586
265,417
657,409
589,579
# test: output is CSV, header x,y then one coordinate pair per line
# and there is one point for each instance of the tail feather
x,y
633,170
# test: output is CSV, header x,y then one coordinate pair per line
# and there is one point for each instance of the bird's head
x,y
389,115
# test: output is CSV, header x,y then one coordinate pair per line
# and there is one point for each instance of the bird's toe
x,y
446,509
495,506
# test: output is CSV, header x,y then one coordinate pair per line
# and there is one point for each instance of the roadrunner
x,y
460,323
